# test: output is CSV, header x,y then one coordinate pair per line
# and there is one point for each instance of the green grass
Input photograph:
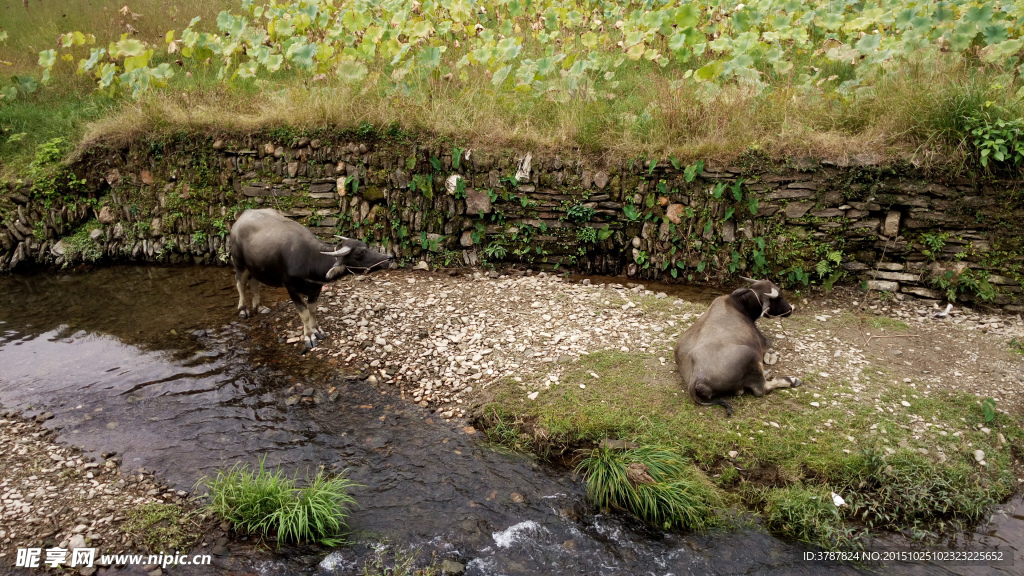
x,y
873,459
270,504
657,486
886,323
806,514
79,247
391,561
162,527
1017,345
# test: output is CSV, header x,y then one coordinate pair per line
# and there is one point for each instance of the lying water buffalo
x,y
723,351
267,247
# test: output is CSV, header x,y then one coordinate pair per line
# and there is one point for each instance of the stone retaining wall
x,y
887,227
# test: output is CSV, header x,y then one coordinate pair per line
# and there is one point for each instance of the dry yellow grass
x,y
894,124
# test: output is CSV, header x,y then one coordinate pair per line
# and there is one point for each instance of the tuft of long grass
x,y
807,514
907,489
257,501
663,490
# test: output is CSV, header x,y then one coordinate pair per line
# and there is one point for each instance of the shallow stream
x,y
151,363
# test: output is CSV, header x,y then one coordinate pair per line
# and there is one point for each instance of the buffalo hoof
x,y
320,334
264,310
794,382
243,313
309,342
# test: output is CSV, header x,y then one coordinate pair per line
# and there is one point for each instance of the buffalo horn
x,y
774,293
343,238
751,280
341,252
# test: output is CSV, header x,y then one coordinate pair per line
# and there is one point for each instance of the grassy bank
x,y
902,456
693,81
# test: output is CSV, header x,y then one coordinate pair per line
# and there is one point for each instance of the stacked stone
x,y
419,202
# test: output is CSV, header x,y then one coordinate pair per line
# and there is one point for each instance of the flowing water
x,y
151,363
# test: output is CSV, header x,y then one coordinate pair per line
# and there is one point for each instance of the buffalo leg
x,y
787,382
309,339
311,297
241,280
760,386
310,332
254,289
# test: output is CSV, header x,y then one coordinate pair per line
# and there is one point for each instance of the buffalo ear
x,y
750,301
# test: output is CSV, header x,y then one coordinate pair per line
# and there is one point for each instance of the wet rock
x,y
293,400
44,417
449,566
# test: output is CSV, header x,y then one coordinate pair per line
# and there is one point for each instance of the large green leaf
x,y
995,33
430,57
687,15
302,54
350,71
500,74
421,29
978,15
47,58
868,43
26,84
86,65
357,21
129,47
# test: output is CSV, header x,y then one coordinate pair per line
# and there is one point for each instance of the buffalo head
x,y
356,257
762,298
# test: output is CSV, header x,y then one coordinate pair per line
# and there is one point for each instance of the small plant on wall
x,y
580,213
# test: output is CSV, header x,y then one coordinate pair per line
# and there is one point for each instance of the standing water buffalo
x,y
267,247
723,351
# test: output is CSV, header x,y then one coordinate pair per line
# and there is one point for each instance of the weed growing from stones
x,y
162,527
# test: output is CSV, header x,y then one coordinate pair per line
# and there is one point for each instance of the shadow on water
x,y
149,362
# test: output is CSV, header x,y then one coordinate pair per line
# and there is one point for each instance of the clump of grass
x,y
269,503
505,429
807,514
884,323
388,561
905,489
162,527
657,486
1017,345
